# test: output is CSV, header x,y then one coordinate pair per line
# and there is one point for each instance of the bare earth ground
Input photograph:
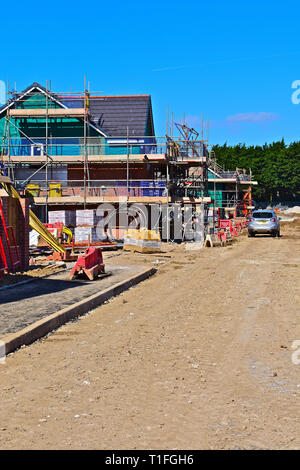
x,y
33,272
198,356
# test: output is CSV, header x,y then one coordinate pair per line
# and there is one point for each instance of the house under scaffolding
x,y
78,150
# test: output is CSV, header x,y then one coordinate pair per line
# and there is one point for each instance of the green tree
x,y
275,166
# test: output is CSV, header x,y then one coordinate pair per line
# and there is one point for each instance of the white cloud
x,y
252,117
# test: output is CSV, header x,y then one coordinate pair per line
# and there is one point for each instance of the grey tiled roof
x,y
115,113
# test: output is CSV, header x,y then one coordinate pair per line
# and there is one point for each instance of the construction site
x,y
94,203
74,151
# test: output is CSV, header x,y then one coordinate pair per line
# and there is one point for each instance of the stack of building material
x,y
85,234
86,225
142,240
68,218
88,217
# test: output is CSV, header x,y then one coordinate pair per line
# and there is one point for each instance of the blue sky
x,y
234,61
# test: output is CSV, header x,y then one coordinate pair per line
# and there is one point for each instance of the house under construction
x,y
78,150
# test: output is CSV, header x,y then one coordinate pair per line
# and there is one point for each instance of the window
x,y
263,215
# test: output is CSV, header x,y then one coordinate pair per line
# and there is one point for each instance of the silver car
x,y
264,221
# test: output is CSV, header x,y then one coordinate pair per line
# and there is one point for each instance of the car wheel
x,y
251,234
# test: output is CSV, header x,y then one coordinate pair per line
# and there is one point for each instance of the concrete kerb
x,y
50,323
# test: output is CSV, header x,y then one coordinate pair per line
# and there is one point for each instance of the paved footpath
x,y
23,305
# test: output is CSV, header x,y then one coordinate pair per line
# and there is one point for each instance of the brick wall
x,y
113,172
16,215
5,209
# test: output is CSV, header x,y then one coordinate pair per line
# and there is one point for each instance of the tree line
x,y
275,166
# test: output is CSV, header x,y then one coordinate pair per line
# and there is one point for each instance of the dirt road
x,y
198,356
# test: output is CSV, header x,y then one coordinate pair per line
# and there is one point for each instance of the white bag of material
x,y
143,241
33,238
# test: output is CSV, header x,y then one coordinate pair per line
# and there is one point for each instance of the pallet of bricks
x,y
86,226
67,217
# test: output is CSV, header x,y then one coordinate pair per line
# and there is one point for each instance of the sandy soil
x,y
198,356
33,271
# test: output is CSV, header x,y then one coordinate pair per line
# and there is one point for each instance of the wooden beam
x,y
52,112
159,158
4,179
98,199
188,161
115,199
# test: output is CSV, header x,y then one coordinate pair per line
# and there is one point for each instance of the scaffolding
x,y
179,164
47,113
